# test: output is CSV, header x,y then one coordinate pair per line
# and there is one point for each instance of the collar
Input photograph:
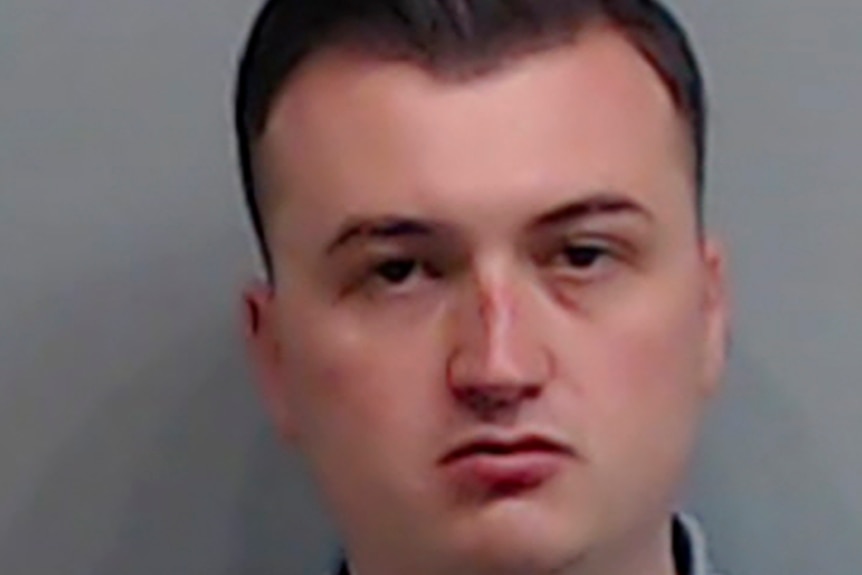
x,y
689,548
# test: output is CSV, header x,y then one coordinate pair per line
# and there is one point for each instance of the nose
x,y
499,359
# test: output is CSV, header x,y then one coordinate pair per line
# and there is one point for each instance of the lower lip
x,y
509,472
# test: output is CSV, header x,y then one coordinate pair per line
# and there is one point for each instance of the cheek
x,y
366,403
645,401
359,388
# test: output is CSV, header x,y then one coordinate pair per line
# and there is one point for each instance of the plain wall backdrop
x,y
130,439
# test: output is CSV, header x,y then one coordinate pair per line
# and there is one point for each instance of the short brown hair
x,y
450,38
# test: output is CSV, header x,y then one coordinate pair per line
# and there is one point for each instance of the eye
x,y
395,271
398,276
584,260
583,256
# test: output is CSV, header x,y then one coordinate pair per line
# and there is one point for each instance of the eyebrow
x,y
394,226
605,203
383,227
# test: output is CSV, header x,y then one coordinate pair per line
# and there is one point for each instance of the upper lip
x,y
503,444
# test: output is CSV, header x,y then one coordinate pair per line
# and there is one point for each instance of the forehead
x,y
373,134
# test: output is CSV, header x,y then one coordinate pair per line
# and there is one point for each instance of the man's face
x,y
515,254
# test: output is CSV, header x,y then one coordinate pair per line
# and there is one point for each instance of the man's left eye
x,y
583,257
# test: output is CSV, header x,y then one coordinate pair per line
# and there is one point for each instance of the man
x,y
492,317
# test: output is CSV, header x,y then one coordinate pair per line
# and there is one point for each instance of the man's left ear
x,y
716,308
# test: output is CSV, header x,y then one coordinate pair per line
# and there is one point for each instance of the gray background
x,y
130,440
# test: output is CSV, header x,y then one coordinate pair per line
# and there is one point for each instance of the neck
x,y
645,553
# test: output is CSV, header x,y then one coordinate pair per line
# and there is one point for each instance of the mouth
x,y
490,446
505,466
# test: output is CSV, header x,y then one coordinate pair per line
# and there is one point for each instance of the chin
x,y
516,538
521,560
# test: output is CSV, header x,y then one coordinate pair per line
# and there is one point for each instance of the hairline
x,y
457,67
458,70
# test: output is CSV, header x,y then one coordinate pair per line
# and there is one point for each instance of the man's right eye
x,y
396,271
396,275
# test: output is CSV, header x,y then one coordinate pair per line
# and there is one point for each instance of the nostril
x,y
485,398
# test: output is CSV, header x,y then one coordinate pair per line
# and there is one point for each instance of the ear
x,y
265,350
716,309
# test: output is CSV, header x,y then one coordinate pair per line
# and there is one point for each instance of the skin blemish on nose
x,y
495,306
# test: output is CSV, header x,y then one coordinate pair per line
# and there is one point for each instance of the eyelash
x,y
596,253
374,277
